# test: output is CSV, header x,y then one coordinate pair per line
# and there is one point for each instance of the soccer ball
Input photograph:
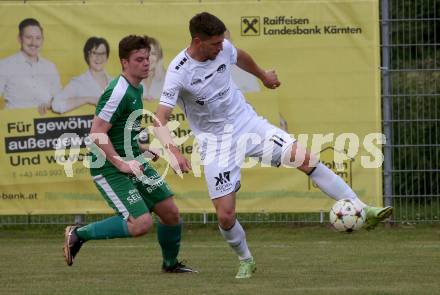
x,y
345,216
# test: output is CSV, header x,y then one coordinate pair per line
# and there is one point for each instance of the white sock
x,y
236,238
333,185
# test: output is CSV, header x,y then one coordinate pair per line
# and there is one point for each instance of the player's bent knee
x,y
309,161
295,156
170,218
168,213
173,214
309,164
226,219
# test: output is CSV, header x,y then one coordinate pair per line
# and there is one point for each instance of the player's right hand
x,y
178,162
270,79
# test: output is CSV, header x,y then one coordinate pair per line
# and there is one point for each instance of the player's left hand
x,y
270,79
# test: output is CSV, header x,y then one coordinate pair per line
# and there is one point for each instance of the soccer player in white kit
x,y
227,129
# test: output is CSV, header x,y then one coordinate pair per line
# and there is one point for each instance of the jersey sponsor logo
x,y
223,181
169,93
222,178
151,182
221,68
144,136
133,196
221,93
196,81
201,100
152,188
181,63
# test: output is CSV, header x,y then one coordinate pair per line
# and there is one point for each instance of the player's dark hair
x,y
28,22
133,42
204,25
94,42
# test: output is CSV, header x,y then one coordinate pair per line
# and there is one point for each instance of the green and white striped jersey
x,y
116,106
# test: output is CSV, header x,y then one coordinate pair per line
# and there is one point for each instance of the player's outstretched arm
x,y
247,63
177,161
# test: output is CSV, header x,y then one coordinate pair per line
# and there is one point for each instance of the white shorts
x,y
223,156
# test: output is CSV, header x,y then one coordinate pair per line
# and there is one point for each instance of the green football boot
x,y
247,267
375,215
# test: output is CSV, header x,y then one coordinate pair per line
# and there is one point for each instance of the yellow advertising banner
x,y
326,54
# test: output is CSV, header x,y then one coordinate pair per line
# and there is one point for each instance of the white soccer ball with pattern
x,y
345,216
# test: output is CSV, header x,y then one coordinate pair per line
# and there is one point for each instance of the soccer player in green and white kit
x,y
133,189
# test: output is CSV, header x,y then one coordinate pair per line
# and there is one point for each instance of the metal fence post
x,y
205,218
386,104
79,219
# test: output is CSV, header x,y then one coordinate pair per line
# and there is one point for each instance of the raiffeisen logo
x,y
295,26
250,26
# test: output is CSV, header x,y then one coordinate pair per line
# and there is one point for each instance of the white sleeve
x,y
171,88
231,50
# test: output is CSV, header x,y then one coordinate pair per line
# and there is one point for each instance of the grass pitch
x,y
290,260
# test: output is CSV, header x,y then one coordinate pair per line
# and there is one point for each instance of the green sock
x,y
169,239
109,228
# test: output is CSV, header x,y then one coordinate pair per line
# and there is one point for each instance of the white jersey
x,y
206,93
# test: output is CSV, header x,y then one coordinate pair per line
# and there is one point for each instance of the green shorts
x,y
128,195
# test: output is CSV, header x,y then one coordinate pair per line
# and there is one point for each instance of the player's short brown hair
x,y
205,25
133,42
